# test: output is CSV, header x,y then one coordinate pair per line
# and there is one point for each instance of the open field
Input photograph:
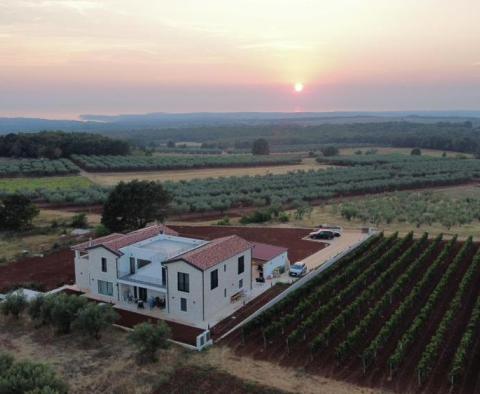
x,y
112,178
391,315
109,366
42,238
382,150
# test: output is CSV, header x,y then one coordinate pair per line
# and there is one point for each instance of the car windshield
x,y
297,266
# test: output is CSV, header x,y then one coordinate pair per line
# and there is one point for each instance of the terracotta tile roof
x,y
215,252
266,252
116,241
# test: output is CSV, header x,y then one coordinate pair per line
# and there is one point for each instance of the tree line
x,y
56,144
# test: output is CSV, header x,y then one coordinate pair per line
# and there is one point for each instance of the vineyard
x,y
152,163
37,167
399,313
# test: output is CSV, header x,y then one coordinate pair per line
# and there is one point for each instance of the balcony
x,y
146,281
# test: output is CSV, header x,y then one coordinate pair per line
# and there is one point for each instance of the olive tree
x,y
148,338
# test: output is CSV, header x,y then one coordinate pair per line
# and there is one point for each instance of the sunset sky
x,y
64,58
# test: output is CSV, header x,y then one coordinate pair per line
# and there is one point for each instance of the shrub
x,y
28,377
283,217
224,222
79,221
148,338
101,230
416,152
35,307
93,318
260,147
64,311
14,304
259,216
329,150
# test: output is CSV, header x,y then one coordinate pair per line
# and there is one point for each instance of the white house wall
x,y
279,261
194,296
95,271
228,279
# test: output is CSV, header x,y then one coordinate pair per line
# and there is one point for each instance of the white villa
x,y
155,270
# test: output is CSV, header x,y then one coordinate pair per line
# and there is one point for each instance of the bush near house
x,y
26,377
149,338
14,304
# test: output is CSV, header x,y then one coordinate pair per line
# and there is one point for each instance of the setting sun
x,y
298,87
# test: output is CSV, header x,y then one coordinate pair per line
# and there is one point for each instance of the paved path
x,y
338,245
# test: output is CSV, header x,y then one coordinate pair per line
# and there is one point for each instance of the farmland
x,y
112,178
36,167
397,313
152,163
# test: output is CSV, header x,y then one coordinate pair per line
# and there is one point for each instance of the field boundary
x,y
299,283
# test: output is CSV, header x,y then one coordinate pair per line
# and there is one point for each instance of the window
x,y
183,304
104,264
132,265
142,263
164,276
225,293
105,288
224,267
241,264
240,283
213,279
183,282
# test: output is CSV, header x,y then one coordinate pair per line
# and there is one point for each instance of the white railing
x,y
299,283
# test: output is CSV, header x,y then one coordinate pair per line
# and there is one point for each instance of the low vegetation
x,y
37,168
154,163
26,377
417,208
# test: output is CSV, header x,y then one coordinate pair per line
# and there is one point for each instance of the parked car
x,y
298,269
323,234
337,230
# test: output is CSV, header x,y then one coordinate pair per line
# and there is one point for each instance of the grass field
x,y
382,150
60,182
112,178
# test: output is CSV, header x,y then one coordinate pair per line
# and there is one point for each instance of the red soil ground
x,y
290,238
49,272
231,321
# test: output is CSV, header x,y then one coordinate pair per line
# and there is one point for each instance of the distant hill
x,y
159,120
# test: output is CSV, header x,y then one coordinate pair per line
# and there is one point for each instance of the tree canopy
x,y
260,147
16,212
55,144
131,205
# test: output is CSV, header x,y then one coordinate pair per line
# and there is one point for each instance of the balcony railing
x,y
144,279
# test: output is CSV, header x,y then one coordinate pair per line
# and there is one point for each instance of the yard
x,y
109,366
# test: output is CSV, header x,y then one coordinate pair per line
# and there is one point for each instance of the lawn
x,y
50,183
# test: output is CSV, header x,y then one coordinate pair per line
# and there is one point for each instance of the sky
x,y
62,58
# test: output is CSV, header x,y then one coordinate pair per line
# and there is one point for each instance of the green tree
x,y
17,212
28,377
416,152
64,311
94,318
260,147
79,220
329,150
14,304
132,205
148,338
